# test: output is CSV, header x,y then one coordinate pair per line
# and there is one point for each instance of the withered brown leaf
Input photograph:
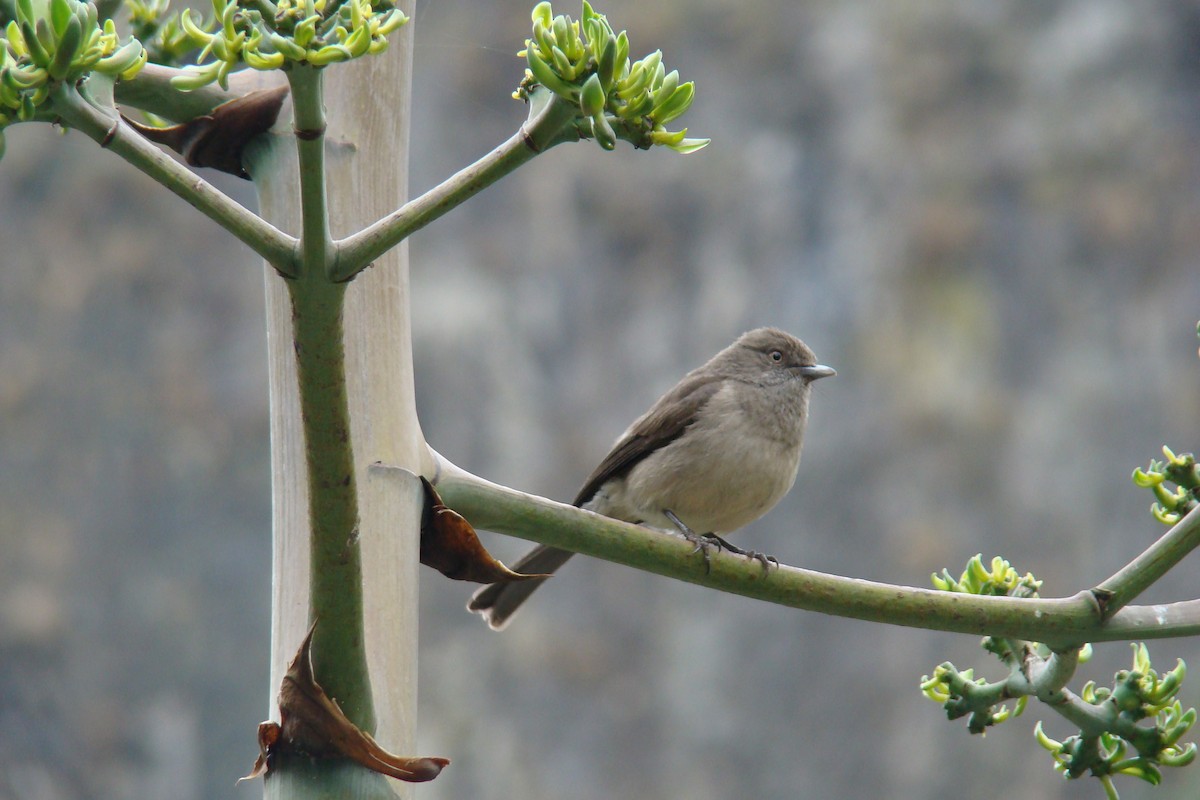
x,y
216,140
313,725
450,545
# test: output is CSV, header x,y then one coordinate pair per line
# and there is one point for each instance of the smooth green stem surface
x,y
1058,622
151,90
1092,720
1096,719
308,108
550,123
1051,675
106,128
1133,579
336,596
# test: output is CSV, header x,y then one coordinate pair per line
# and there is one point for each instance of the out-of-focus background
x,y
985,214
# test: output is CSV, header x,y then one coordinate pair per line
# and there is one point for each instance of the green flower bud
x,y
606,69
679,102
60,13
544,14
543,74
591,97
37,52
603,132
562,64
68,45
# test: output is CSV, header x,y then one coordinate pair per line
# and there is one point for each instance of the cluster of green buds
x,y
1001,580
159,30
586,63
52,42
266,35
961,694
1124,747
1171,506
1111,741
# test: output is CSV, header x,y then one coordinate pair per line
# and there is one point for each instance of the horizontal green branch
x,y
1059,622
151,90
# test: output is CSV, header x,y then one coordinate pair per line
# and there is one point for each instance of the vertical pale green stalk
x,y
365,152
336,587
316,245
336,593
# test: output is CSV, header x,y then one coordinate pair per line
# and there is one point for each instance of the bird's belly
x,y
714,486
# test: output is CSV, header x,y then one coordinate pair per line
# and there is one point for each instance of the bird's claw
x,y
762,558
765,560
704,546
705,542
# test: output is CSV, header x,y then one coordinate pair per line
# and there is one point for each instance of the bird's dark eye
x,y
776,356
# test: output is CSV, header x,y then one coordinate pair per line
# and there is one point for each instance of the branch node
x,y
309,134
111,134
528,140
1102,598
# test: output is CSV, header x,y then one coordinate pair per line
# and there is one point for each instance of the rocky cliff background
x,y
985,214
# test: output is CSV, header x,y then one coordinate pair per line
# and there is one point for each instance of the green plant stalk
x,y
1094,720
1041,678
151,90
336,591
1047,677
308,109
551,121
1058,622
1131,580
105,127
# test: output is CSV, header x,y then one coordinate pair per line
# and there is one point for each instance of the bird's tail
x,y
497,602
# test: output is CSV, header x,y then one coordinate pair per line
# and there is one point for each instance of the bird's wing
x,y
662,424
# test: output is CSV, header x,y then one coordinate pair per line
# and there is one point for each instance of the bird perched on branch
x,y
714,454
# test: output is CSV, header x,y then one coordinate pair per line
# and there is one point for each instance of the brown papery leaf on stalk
x,y
450,545
216,140
313,725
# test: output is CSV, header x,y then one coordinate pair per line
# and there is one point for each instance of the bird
x,y
713,454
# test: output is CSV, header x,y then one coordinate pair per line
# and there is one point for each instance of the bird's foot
x,y
705,542
762,558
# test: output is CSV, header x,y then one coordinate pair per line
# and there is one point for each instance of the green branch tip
x,y
1169,506
56,42
1110,740
264,35
1114,743
1000,580
587,63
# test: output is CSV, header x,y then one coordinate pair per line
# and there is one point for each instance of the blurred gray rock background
x,y
986,215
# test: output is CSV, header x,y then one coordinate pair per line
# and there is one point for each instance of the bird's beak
x,y
816,371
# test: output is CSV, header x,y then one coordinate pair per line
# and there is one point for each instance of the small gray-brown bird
x,y
713,454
